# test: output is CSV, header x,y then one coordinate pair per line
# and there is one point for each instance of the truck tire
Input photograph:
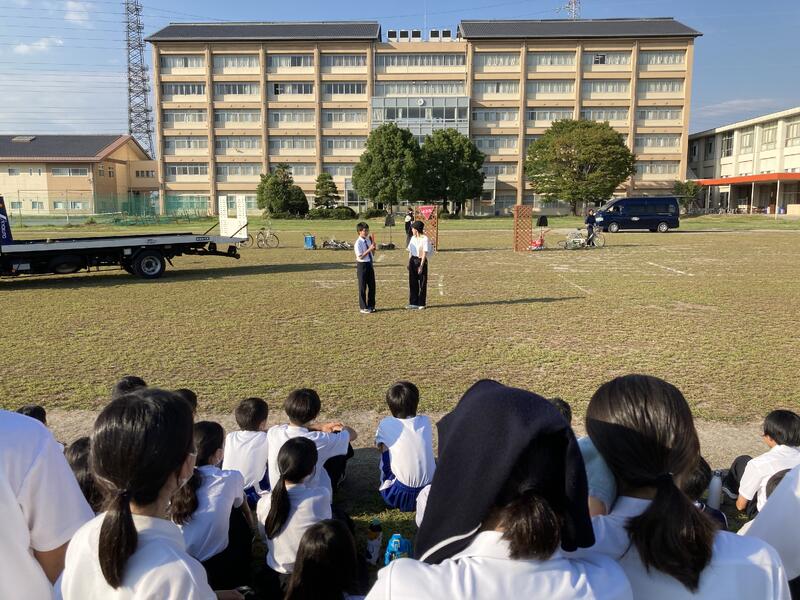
x,y
149,264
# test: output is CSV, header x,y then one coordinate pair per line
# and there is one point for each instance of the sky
x,y
62,62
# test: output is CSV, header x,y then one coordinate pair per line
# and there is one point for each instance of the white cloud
x,y
737,107
40,45
78,13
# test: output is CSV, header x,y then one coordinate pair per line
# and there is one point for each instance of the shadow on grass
x,y
504,302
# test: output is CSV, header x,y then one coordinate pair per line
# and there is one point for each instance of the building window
x,y
37,205
237,116
419,88
495,169
658,113
190,61
746,141
658,140
73,205
496,87
490,115
187,169
495,142
173,117
278,144
548,115
606,58
344,60
298,169
171,144
13,172
726,148
709,148
339,170
420,114
420,60
604,114
238,169
16,205
793,133
228,142
101,170
346,88
657,167
693,151
71,172
554,86
183,89
344,116
111,171
236,89
295,89
291,116
769,134
345,143
662,57
498,59
235,61
660,86
145,174
275,61
551,59
606,86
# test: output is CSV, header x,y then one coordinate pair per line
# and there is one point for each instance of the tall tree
x,y
578,161
273,191
687,192
297,203
326,194
388,169
451,168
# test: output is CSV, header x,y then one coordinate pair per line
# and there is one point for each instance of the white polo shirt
x,y
206,533
247,452
410,444
778,523
328,445
484,571
308,505
759,470
360,246
417,244
737,571
41,505
160,567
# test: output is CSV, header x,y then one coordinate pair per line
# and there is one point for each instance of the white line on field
x,y
441,285
380,258
671,269
575,285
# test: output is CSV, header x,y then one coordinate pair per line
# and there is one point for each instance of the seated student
x,y
41,507
210,509
499,513
189,396
773,483
406,443
77,455
326,565
34,411
293,505
748,476
247,450
695,485
127,385
133,550
644,429
332,440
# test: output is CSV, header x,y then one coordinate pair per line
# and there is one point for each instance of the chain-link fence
x,y
67,207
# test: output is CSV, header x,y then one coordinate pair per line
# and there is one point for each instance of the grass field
x,y
716,313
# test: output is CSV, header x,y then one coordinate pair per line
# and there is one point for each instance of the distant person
x,y
419,250
77,455
127,385
590,221
34,411
409,219
247,450
365,269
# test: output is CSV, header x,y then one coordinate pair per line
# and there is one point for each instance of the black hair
x,y
189,396
251,413
775,481
326,564
127,385
208,438
34,411
418,225
77,455
563,407
403,399
783,426
362,226
139,442
643,428
296,461
696,481
302,405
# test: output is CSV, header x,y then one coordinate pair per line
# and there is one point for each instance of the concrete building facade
x,y
235,99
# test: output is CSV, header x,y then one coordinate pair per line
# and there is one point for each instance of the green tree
x,y
388,169
326,194
578,161
687,192
272,194
297,203
450,168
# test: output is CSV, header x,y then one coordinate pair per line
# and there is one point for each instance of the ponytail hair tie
x,y
664,479
124,494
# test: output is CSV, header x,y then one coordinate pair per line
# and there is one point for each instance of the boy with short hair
x,y
365,253
34,411
247,450
127,385
332,440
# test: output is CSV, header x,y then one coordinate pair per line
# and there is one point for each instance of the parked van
x,y
653,213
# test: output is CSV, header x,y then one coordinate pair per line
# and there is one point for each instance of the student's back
x,y
247,452
410,444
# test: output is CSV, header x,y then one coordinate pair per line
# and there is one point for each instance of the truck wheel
x,y
149,264
663,227
613,227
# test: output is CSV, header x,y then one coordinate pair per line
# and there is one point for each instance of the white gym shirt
x,y
410,444
206,533
41,505
160,567
417,244
759,470
328,445
247,452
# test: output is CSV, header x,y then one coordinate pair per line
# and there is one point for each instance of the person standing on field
x,y
365,253
419,249
407,223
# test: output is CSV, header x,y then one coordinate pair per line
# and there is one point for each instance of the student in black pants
x,y
419,248
590,223
365,253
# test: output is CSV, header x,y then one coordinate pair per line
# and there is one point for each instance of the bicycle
x,y
577,239
334,244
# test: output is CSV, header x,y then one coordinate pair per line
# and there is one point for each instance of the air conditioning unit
x,y
405,35
416,35
392,35
434,36
446,35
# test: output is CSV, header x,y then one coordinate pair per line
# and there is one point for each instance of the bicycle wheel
x,y
271,240
599,240
562,244
261,240
249,242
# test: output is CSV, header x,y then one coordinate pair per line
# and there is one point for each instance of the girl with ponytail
x,y
141,453
643,428
292,506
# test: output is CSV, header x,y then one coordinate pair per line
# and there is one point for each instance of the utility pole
x,y
140,124
573,9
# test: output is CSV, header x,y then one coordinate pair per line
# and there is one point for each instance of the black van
x,y
653,213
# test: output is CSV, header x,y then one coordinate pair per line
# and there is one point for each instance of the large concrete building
x,y
750,166
74,174
235,99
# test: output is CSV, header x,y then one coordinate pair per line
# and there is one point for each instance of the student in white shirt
x,y
748,477
291,507
326,567
643,428
41,507
500,513
211,511
332,440
406,443
247,451
364,248
142,453
419,250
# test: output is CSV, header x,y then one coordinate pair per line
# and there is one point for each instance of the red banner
x,y
427,211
